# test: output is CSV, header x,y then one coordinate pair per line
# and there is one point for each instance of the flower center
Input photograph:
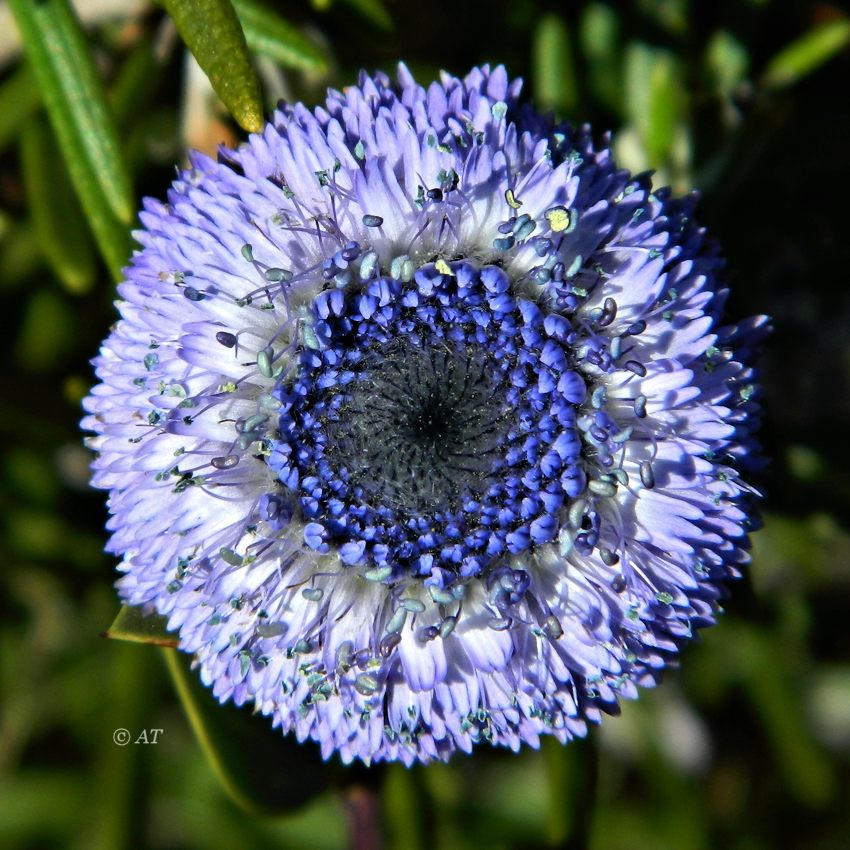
x,y
421,428
432,423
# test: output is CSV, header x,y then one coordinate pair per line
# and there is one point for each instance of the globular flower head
x,y
420,423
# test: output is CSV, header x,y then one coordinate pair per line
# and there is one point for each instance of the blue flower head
x,y
420,423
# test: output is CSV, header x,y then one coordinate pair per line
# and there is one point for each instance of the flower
x,y
420,424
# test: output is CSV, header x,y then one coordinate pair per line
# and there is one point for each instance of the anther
x,y
275,275
193,294
560,220
264,362
428,633
230,557
647,475
389,643
608,557
615,349
609,313
618,583
553,627
447,626
397,621
576,512
597,398
365,684
228,340
635,368
440,596
602,488
225,462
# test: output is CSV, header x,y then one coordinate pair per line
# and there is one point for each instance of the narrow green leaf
x,y
134,626
212,32
654,98
19,98
81,122
373,11
806,54
44,340
407,809
263,771
665,107
59,224
777,700
269,34
554,73
727,61
571,774
127,692
112,238
75,101
134,83
20,255
600,43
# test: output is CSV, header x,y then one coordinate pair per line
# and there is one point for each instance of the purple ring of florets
x,y
510,470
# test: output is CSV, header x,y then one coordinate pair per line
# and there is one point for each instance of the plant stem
x,y
362,812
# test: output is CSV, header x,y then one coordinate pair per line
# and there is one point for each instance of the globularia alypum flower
x,y
420,423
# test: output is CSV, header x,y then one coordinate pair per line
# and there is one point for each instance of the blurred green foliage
x,y
749,746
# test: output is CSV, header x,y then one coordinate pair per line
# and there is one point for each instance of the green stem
x,y
573,778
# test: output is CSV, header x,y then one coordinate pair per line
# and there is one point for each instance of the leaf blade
x,y
374,12
59,225
270,35
806,54
74,98
212,32
19,98
555,80
132,625
245,753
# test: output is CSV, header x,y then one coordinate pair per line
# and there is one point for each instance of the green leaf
x,y
19,98
727,61
572,779
373,11
75,101
655,98
134,626
20,255
554,74
134,83
57,218
268,34
81,122
263,771
776,695
44,341
407,809
212,32
806,54
600,43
